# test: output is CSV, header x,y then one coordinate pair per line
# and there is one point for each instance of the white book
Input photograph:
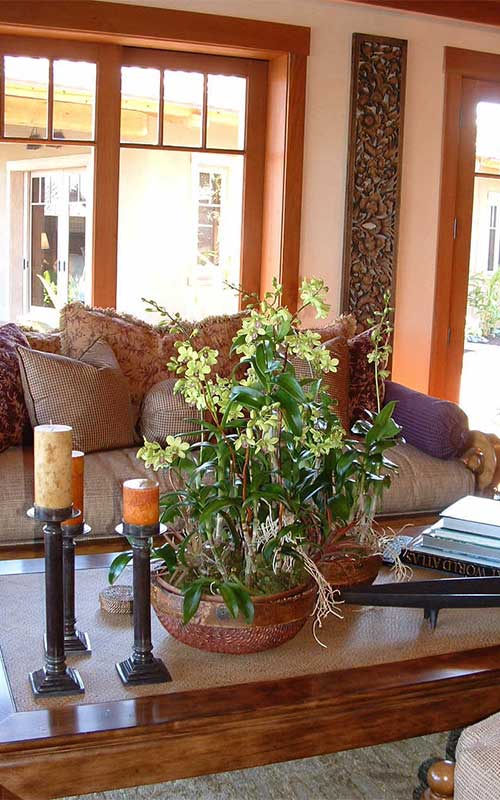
x,y
473,515
463,543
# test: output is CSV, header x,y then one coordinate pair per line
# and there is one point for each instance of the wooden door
x,y
457,197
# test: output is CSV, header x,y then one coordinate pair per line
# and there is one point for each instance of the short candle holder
x,y
75,642
142,667
55,677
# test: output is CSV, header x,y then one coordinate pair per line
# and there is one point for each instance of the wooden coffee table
x,y
84,748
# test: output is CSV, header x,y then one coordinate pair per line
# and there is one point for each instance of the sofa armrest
x,y
482,456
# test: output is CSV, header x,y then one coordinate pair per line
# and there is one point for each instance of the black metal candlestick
x,y
74,641
142,666
55,677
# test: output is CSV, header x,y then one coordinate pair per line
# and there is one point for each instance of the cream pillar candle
x,y
53,466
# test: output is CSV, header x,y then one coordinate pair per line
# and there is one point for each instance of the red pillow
x,y
13,412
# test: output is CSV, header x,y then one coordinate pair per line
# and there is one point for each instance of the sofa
x,y
431,473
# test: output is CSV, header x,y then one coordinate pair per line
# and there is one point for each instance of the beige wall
x,y
332,25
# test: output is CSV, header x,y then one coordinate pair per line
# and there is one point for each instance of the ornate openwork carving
x,y
374,173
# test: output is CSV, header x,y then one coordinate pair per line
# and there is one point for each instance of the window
x,y
184,150
48,98
57,94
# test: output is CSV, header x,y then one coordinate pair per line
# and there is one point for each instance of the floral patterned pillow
x,y
13,412
142,351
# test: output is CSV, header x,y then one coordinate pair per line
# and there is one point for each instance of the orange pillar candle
x,y
52,451
141,502
77,472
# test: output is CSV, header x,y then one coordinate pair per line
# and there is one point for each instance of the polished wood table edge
x,y
371,686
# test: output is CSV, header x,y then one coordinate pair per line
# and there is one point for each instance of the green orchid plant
x,y
272,483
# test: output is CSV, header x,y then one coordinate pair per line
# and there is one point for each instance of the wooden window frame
x,y
463,69
107,28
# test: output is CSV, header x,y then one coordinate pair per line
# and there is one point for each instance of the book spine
x,y
447,564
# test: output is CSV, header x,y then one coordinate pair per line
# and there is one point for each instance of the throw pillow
x,y
141,350
164,413
336,383
46,341
436,427
90,394
13,413
344,326
362,391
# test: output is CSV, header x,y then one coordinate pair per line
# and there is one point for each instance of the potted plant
x,y
270,488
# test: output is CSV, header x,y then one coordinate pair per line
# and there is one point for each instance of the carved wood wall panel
x,y
373,173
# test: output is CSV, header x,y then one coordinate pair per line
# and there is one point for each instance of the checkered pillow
x,y
90,394
164,413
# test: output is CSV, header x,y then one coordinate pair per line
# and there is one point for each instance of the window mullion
x,y
2,95
50,101
204,112
161,111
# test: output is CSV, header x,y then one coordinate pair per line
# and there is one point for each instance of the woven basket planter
x,y
347,571
278,618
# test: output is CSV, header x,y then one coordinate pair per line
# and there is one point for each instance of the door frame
x,y
467,74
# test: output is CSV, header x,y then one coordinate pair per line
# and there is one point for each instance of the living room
x,y
169,162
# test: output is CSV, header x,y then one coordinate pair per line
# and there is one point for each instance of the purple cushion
x,y
437,427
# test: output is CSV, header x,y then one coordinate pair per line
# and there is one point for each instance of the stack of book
x,y
465,540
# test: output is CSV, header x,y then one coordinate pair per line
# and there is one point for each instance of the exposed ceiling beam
x,y
485,12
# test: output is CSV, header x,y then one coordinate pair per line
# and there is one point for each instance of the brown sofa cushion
x,y
90,394
13,413
423,484
336,383
164,413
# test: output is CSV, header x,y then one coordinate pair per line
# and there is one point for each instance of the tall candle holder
x,y
55,677
75,641
142,667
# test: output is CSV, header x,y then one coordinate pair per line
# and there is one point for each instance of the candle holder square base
x,y
77,643
44,683
134,672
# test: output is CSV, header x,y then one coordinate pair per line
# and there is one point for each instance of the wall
x,y
332,25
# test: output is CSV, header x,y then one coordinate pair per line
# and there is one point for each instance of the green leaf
x,y
230,599
245,603
291,411
215,506
290,384
167,554
247,397
261,366
118,565
192,597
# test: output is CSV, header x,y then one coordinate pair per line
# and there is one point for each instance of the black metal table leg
x,y
141,666
55,677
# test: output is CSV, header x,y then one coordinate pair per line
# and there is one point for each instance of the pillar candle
x,y
77,465
53,471
141,502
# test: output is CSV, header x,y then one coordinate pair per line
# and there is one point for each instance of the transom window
x,y
45,98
